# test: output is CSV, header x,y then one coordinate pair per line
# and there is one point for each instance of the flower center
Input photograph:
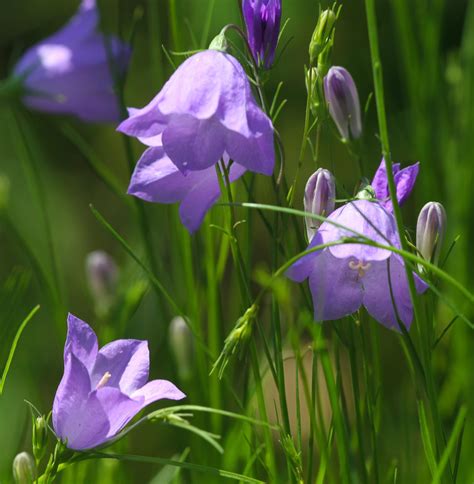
x,y
103,381
359,266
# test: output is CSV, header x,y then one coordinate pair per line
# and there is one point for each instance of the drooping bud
x,y
102,275
24,468
322,34
319,198
262,19
343,101
431,230
181,342
39,437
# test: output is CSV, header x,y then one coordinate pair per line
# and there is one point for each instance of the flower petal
x,y
364,217
158,390
256,152
386,298
203,195
193,144
335,287
127,361
156,178
76,420
303,267
405,181
81,341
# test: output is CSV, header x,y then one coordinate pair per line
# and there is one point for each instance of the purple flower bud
x,y
182,345
102,275
431,230
319,198
343,100
24,468
262,19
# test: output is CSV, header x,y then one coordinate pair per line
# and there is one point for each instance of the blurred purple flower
x,y
204,111
404,181
343,100
346,276
156,179
69,72
262,19
102,390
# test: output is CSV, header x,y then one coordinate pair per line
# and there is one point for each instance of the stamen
x,y
360,267
103,381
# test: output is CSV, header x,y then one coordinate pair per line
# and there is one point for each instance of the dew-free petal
x,y
158,390
81,341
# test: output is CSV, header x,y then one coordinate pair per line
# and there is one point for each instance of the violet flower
x,y
262,19
102,390
343,102
206,110
344,277
156,179
69,72
404,181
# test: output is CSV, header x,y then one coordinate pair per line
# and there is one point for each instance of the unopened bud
x,y
319,198
431,230
322,34
39,437
102,275
24,468
343,101
181,341
315,91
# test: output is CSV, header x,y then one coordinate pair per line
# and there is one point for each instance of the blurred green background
x,y
428,56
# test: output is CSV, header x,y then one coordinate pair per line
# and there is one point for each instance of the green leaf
x,y
426,438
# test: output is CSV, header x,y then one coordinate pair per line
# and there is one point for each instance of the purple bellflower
x,y
404,181
102,390
69,72
156,179
204,111
344,277
343,102
262,19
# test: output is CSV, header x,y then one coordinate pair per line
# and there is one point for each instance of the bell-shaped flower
x,y
319,198
263,20
344,277
102,390
206,110
343,102
70,71
404,182
156,179
431,230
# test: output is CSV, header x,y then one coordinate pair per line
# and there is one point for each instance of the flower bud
x,y
322,34
314,90
181,342
102,275
319,198
40,437
24,468
431,230
343,100
262,19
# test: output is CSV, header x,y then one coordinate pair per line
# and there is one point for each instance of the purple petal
x,y
303,267
405,181
335,287
384,298
364,217
193,144
158,390
255,152
127,361
156,178
144,123
76,419
81,341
